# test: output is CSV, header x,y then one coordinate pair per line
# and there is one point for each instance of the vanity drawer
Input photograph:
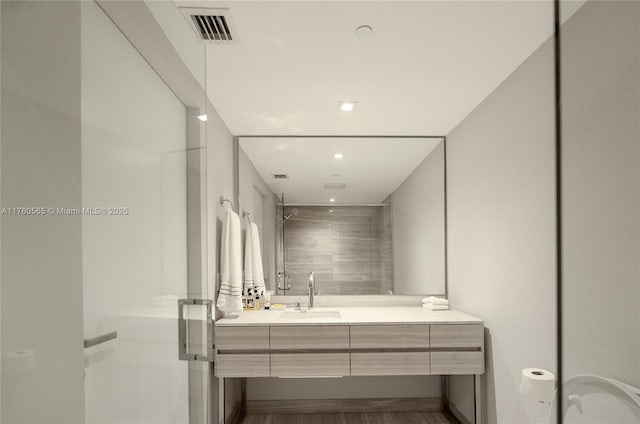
x,y
457,335
309,364
389,336
310,337
243,365
390,363
242,338
459,362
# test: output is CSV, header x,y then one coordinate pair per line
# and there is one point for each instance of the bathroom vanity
x,y
355,341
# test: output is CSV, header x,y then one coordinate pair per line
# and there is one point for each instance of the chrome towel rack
x,y
223,200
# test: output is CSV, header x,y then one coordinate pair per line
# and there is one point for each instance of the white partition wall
x,y
42,353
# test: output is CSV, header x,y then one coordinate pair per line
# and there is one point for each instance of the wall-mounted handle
x,y
183,351
100,339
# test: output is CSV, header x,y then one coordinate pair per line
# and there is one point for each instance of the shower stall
x,y
347,247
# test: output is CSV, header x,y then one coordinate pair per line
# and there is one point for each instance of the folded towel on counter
x,y
433,307
230,294
435,300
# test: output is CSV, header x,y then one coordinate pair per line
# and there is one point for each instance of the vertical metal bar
x,y
210,340
558,165
477,391
446,233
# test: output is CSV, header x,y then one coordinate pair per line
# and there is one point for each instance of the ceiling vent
x,y
280,176
214,25
335,186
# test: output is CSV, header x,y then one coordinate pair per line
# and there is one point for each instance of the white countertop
x,y
353,316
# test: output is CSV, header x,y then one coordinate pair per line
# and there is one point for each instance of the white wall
x,y
417,214
41,255
601,199
501,233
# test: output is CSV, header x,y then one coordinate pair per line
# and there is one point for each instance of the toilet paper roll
x,y
538,383
19,361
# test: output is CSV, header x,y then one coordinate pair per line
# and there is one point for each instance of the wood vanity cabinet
x,y
390,349
312,351
242,352
320,350
457,349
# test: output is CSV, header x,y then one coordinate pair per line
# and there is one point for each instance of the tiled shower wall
x,y
348,248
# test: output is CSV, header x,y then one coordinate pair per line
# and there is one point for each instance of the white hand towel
x,y
435,300
248,259
230,294
256,259
433,307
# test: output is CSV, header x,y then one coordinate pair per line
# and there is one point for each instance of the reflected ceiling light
x,y
332,200
330,210
203,118
338,155
346,106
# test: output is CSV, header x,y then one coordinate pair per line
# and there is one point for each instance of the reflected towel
x,y
230,294
435,300
248,260
256,260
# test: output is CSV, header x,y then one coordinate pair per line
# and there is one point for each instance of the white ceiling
x,y
372,168
426,67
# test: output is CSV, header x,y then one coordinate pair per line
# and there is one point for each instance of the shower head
x,y
294,212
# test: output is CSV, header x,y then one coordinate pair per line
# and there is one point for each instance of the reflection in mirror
x,y
365,214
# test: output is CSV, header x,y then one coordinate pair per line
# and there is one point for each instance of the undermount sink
x,y
311,315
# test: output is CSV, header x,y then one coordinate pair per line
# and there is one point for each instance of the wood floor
x,y
352,418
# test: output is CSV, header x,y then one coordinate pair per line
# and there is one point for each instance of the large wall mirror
x,y
365,214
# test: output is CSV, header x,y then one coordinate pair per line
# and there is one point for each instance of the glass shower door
x,y
600,225
142,261
102,165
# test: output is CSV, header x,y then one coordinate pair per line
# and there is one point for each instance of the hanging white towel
x,y
248,259
230,294
256,260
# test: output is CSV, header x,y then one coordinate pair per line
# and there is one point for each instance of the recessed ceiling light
x,y
338,155
364,31
346,106
332,200
203,118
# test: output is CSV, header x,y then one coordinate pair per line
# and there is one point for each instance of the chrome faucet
x,y
312,288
